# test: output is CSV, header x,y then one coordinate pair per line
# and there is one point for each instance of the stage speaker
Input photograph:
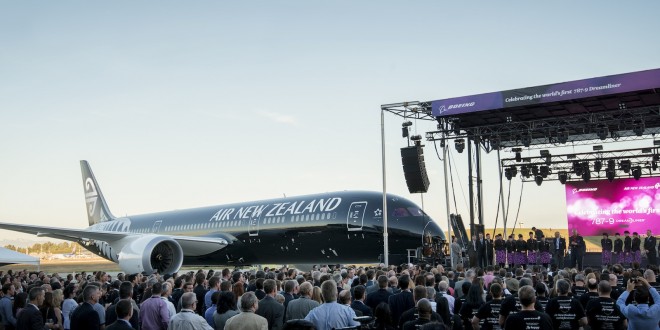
x,y
414,169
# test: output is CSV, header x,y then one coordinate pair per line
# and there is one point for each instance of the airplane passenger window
x,y
400,212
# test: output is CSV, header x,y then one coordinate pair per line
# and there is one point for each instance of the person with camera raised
x,y
640,316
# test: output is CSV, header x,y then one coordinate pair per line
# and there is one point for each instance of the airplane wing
x,y
192,246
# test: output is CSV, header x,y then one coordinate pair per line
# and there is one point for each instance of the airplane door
x,y
156,227
253,226
355,217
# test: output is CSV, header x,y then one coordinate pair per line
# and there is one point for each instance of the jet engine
x,y
151,253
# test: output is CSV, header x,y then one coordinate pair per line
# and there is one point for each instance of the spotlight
x,y
547,156
526,139
416,137
563,176
611,164
524,171
538,179
609,174
518,154
586,175
535,170
508,174
404,131
544,171
598,165
637,172
460,145
602,131
638,127
406,124
495,142
577,168
514,170
562,135
625,166
456,127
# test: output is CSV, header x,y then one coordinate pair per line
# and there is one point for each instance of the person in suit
x,y
472,251
269,308
125,290
401,301
489,250
577,245
187,318
299,308
649,247
85,317
30,317
481,251
456,253
124,310
358,301
382,295
247,319
606,254
558,249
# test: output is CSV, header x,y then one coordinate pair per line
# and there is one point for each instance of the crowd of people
x,y
526,294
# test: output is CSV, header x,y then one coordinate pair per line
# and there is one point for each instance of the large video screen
x,y
598,207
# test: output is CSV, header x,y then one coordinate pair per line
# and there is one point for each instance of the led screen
x,y
601,206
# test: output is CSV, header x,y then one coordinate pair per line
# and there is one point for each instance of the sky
x,y
185,104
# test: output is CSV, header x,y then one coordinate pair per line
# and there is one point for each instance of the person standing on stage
x,y
456,253
532,249
521,249
544,250
618,248
538,233
511,252
558,250
481,252
627,248
472,251
489,250
606,245
649,247
635,249
500,250
577,244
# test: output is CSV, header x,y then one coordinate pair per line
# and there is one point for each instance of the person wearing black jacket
x,y
635,250
566,312
511,252
500,251
489,250
606,245
627,248
521,251
481,252
618,248
544,251
577,249
649,247
532,249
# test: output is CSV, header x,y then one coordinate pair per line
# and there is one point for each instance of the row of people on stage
x,y
629,249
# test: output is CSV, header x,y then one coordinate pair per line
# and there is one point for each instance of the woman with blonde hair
x,y
316,295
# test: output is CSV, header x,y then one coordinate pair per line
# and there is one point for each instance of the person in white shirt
x,y
167,291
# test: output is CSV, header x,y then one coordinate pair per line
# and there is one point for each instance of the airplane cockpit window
x,y
416,212
400,212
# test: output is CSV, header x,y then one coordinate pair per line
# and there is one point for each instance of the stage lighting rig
x,y
544,170
611,164
598,165
524,171
404,128
538,179
638,127
459,144
508,174
562,135
495,142
563,176
609,174
625,165
548,157
416,138
535,170
637,172
602,131
577,168
586,175
526,139
518,154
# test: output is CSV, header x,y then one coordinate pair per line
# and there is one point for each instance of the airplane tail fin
x,y
97,208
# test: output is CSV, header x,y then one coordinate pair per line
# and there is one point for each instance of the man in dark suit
x,y
111,314
382,295
558,249
489,250
358,302
481,251
124,310
401,301
577,250
200,292
270,308
649,246
85,317
472,251
30,317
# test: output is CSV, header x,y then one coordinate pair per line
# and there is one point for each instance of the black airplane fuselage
x,y
329,228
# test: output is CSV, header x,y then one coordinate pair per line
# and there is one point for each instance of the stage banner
x,y
598,207
571,90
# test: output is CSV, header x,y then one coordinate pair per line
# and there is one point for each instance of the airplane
x,y
343,227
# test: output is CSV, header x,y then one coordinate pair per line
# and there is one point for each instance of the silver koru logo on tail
x,y
91,196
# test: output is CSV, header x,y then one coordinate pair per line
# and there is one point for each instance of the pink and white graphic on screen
x,y
600,206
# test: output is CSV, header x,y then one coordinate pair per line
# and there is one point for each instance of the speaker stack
x,y
414,169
